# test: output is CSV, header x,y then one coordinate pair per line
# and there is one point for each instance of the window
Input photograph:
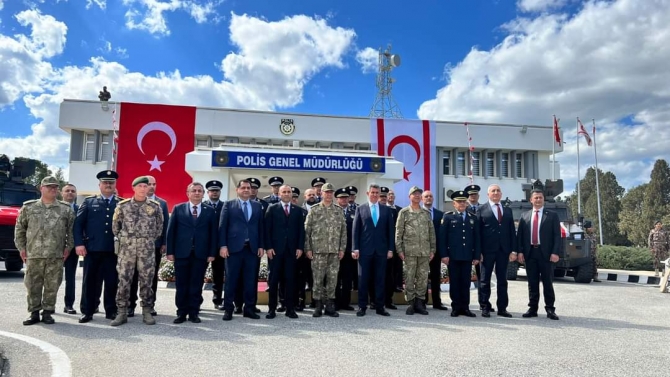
x,y
490,164
460,163
89,147
105,148
504,164
476,165
446,163
201,143
518,165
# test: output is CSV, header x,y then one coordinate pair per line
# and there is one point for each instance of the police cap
x,y
276,181
588,224
383,191
108,176
213,185
352,190
459,195
342,193
318,181
255,182
472,189
295,191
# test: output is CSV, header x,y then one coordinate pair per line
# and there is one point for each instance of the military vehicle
x,y
13,192
577,261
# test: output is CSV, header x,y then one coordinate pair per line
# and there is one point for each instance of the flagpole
x,y
600,217
553,152
579,177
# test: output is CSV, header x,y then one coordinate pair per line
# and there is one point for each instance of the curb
x,y
625,278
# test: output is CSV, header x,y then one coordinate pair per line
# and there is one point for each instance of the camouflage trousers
x,y
416,277
594,259
659,253
136,254
325,266
42,280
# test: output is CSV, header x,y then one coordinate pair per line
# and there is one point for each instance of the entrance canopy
x,y
297,166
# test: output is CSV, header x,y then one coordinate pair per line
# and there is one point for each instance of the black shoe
x,y
256,310
238,310
530,313
360,312
409,310
153,312
382,312
69,310
454,313
271,314
111,316
504,313
85,318
32,319
47,319
281,309
468,313
440,307
291,314
552,315
595,280
391,306
194,319
131,313
486,313
227,315
267,289
180,319
251,314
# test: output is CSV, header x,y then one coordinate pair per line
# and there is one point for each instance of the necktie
x,y
534,235
245,209
195,212
500,215
107,202
286,209
463,216
374,214
473,208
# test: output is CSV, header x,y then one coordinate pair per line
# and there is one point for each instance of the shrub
x,y
625,258
166,271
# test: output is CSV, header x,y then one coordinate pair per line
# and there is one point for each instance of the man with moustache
x,y
435,274
69,194
472,206
219,264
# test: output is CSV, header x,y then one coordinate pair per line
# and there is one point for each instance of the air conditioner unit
x,y
448,192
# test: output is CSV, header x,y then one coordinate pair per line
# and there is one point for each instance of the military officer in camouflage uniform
x,y
43,235
137,223
658,243
325,242
593,241
415,245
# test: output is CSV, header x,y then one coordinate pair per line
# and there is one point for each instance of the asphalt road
x,y
612,329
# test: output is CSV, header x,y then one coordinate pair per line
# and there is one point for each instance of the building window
x,y
89,147
105,148
476,164
446,163
490,164
518,165
460,163
504,165
201,142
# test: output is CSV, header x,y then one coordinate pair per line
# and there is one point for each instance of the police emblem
x,y
287,127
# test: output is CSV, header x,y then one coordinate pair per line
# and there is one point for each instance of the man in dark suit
x,y
435,274
159,250
373,244
94,240
275,183
389,283
353,191
539,238
498,241
69,194
284,241
191,244
345,275
397,262
241,243
472,207
219,264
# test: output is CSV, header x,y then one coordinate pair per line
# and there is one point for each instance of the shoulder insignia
x,y
450,213
118,198
442,221
30,201
91,197
153,201
124,201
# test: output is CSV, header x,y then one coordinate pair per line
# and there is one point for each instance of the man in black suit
x,y
397,262
472,206
435,274
219,264
347,270
284,241
191,244
498,241
69,194
539,238
353,191
373,244
241,243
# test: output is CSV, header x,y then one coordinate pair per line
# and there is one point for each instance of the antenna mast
x,y
384,105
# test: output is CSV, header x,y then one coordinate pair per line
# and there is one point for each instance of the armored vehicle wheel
x,y
512,270
584,273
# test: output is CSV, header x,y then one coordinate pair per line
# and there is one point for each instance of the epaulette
x,y
450,213
63,202
90,197
118,198
31,201
154,201
124,201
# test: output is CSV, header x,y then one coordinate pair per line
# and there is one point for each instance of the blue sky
x,y
478,60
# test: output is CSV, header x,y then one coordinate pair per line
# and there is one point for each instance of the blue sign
x,y
286,161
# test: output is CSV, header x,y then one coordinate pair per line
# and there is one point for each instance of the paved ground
x,y
605,329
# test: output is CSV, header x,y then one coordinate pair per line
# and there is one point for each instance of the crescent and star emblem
x,y
404,139
156,126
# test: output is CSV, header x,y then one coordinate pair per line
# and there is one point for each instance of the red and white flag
x,y
557,134
582,131
154,140
411,142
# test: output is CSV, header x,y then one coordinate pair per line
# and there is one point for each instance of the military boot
x,y
47,318
147,318
330,309
410,307
420,307
32,319
121,317
318,311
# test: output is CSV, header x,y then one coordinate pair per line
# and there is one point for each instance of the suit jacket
x,y
550,234
437,221
93,224
284,234
217,207
496,237
185,234
349,215
369,239
263,204
164,208
234,228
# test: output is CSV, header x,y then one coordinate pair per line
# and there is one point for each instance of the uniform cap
x,y
327,187
415,189
141,179
213,185
352,190
108,176
383,191
588,224
255,182
472,189
341,193
296,192
276,181
318,181
49,181
459,195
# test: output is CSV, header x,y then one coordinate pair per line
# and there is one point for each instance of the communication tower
x,y
384,105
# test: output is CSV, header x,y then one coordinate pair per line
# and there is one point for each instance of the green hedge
x,y
625,258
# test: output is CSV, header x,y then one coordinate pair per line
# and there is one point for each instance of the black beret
x,y
108,175
141,179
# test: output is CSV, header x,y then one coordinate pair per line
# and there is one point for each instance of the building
x,y
505,154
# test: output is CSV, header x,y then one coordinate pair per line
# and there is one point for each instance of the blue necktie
x,y
246,210
374,214
463,216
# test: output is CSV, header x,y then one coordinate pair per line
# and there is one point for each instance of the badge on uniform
x,y
149,210
472,222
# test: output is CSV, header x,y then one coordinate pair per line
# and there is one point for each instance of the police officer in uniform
x,y
472,206
316,184
219,265
295,195
275,183
94,240
460,246
345,275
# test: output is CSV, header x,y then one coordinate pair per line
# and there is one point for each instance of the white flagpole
x,y
600,217
579,177
553,150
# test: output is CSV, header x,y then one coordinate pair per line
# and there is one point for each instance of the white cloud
x,y
107,49
102,4
539,5
368,58
151,17
608,62
1,5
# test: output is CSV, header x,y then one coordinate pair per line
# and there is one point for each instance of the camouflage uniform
x,y
593,239
44,231
137,225
415,237
325,237
658,243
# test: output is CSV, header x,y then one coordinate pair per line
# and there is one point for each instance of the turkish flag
x,y
411,142
154,140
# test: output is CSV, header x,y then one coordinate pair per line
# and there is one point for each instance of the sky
x,y
507,61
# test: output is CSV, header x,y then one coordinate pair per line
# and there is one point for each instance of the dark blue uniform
x,y
219,264
460,242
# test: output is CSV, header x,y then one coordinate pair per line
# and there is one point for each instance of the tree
x,y
41,170
657,195
632,221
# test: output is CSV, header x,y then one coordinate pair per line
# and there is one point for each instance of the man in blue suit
x,y
241,243
373,244
69,194
94,240
191,244
498,241
219,264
